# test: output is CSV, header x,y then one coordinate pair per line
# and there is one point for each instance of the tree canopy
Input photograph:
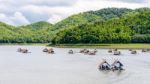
x,y
108,25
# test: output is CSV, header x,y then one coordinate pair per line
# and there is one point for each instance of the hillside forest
x,y
108,25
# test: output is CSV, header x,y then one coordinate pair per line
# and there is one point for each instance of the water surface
x,y
62,68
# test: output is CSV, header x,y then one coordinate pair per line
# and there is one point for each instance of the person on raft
x,y
117,65
104,66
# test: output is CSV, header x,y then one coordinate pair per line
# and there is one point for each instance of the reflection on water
x,y
63,68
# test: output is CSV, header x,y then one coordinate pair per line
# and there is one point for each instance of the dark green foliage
x,y
96,33
145,38
35,33
38,26
116,26
109,25
76,20
108,13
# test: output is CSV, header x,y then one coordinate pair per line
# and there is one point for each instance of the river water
x,y
38,67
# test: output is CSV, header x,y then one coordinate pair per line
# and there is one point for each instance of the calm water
x,y
62,68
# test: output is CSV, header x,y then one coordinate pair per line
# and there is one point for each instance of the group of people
x,y
117,65
49,50
70,52
133,51
86,51
145,50
23,50
114,51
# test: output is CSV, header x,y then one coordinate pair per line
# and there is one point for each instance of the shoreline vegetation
x,y
104,46
104,28
27,44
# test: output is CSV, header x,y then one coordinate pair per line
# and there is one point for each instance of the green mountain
x,y
90,17
76,20
132,26
38,26
39,32
109,25
6,32
108,13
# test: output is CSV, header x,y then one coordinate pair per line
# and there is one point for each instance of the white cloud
x,y
131,1
54,19
55,10
16,19
98,4
19,19
38,2
4,18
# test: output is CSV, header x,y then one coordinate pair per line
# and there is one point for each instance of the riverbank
x,y
30,44
105,46
120,46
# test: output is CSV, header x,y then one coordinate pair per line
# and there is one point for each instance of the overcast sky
x,y
22,12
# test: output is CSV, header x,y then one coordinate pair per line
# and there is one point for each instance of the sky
x,y
23,12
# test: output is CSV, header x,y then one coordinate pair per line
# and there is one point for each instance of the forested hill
x,y
125,27
109,25
91,17
38,26
39,32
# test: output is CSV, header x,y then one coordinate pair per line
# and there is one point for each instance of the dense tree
x,y
108,13
108,25
121,27
35,33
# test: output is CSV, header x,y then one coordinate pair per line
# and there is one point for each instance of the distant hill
x,y
90,17
6,32
108,25
39,32
38,26
126,27
108,13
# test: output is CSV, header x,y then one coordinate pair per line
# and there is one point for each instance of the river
x,y
38,67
